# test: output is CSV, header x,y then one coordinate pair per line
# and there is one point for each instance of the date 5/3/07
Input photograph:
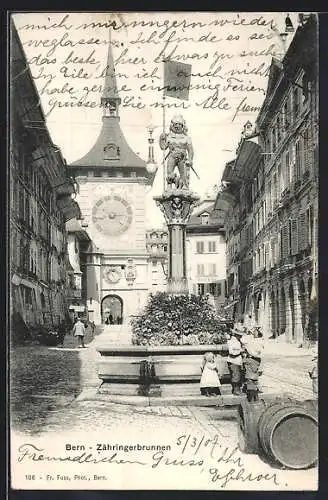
x,y
194,443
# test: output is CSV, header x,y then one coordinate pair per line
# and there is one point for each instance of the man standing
x,y
235,360
79,332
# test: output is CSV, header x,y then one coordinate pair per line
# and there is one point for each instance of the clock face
x,y
112,215
113,274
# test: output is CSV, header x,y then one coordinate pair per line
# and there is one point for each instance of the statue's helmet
x,y
178,119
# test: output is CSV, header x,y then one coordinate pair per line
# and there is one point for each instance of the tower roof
x,y
111,148
110,86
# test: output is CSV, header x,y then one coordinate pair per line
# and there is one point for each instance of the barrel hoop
x,y
249,414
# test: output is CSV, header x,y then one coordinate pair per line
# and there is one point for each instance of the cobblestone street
x,y
55,414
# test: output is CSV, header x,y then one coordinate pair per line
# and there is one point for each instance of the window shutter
x,y
307,156
302,231
285,241
294,237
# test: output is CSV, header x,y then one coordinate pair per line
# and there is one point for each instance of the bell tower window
x,y
110,107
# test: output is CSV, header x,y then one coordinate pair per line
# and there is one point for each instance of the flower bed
x,y
178,320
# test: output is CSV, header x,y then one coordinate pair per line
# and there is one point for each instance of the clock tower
x,y
112,182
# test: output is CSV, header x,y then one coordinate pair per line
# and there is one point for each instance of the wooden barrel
x,y
248,416
288,434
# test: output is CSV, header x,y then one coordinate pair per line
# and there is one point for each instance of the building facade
x,y
270,192
77,241
157,243
206,249
40,204
112,182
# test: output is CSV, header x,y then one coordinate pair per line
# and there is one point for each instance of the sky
x,y
230,54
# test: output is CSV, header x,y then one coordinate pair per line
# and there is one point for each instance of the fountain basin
x,y
158,370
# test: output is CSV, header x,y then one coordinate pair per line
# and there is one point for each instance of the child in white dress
x,y
210,381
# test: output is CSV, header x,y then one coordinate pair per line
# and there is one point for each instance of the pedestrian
x,y
235,360
61,333
253,350
79,332
210,381
313,373
93,327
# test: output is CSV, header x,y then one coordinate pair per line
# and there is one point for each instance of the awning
x,y
249,154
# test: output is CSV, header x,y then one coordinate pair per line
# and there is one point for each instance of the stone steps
x,y
115,335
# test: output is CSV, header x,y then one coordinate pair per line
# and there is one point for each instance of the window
x,y
269,199
200,270
286,118
267,147
309,224
201,289
266,255
272,253
288,169
212,269
204,218
97,173
273,139
212,246
215,289
259,258
264,211
278,129
200,247
274,188
299,158
28,296
279,179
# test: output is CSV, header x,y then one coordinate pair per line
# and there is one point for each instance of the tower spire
x,y
110,99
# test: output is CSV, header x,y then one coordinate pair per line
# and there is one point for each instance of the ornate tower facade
x,y
112,182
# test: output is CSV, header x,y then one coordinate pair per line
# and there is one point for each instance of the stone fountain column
x,y
177,205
